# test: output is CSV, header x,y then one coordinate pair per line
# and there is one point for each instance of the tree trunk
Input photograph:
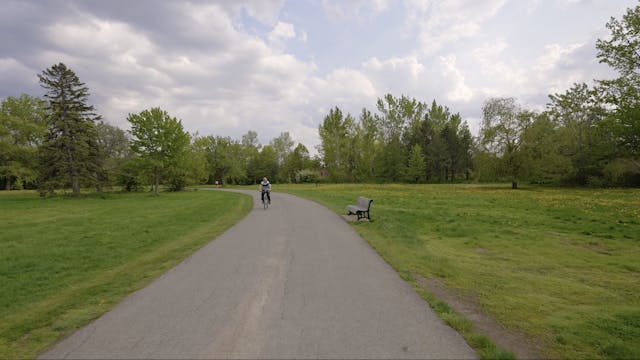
x,y
75,186
157,184
73,173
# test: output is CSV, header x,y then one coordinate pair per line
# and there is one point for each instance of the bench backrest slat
x,y
364,202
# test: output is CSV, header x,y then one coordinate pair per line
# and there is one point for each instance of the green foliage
x,y
22,129
307,176
160,141
266,163
503,126
365,146
416,168
131,175
251,147
69,153
71,260
587,136
543,159
620,51
557,265
378,146
113,151
336,133
283,145
295,162
227,160
578,112
390,161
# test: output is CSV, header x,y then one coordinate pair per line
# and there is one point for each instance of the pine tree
x,y
69,152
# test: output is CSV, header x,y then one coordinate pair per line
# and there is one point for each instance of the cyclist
x,y
265,187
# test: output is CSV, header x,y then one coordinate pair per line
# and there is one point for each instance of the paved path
x,y
293,281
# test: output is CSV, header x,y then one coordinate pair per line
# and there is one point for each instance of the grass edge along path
x,y
56,316
555,265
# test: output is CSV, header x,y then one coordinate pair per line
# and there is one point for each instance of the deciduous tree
x,y
336,136
578,113
159,140
503,123
622,52
113,151
22,129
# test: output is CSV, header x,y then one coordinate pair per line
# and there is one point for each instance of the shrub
x,y
307,176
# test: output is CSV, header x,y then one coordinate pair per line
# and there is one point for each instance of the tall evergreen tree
x,y
68,154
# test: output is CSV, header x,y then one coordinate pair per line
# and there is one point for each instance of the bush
x,y
307,176
622,172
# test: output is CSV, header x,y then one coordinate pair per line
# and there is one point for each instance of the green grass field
x,y
66,261
561,266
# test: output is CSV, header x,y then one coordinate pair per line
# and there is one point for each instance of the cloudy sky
x,y
226,67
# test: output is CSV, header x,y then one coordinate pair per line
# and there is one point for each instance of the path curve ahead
x,y
292,281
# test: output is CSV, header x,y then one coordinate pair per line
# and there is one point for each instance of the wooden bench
x,y
362,209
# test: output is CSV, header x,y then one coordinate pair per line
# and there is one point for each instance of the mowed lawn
x,y
65,261
561,266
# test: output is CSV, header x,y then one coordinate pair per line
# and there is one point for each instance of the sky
x,y
230,66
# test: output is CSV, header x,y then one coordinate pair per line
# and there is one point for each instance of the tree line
x,y
61,143
588,135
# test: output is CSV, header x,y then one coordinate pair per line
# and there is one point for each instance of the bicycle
x,y
266,200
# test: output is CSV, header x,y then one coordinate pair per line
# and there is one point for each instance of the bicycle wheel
x,y
265,202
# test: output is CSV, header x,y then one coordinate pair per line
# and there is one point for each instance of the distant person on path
x,y
265,187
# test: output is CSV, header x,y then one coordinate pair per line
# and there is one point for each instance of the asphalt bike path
x,y
291,281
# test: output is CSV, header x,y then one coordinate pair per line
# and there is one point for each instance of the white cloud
x,y
555,55
234,83
497,65
396,75
357,10
532,6
440,23
409,66
265,11
303,36
559,67
10,65
459,91
17,75
347,83
90,36
227,67
281,33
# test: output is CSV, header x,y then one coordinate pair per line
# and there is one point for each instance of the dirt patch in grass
x,y
468,307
